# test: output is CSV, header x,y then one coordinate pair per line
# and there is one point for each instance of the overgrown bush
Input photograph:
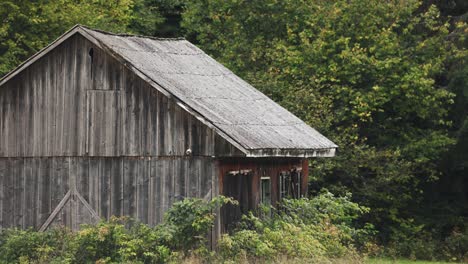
x,y
413,242
119,240
319,229
187,222
316,229
24,246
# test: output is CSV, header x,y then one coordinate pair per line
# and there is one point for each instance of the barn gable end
x,y
78,100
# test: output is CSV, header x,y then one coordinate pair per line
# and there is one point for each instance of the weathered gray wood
x,y
28,187
56,211
105,188
2,126
151,192
82,188
28,116
9,192
142,190
45,99
12,125
34,141
91,211
129,188
18,174
94,191
34,188
2,189
71,121
193,179
116,187
156,173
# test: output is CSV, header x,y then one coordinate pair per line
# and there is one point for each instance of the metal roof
x,y
239,112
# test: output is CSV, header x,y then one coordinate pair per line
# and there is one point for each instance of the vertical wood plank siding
x,y
72,119
32,188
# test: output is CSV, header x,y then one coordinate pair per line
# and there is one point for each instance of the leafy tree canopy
x,y
27,26
365,73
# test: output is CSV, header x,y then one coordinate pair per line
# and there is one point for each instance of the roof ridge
x,y
129,35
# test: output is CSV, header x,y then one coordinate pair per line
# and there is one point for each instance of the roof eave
x,y
299,153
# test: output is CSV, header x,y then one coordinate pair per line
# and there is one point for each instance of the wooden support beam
x,y
305,178
56,211
88,206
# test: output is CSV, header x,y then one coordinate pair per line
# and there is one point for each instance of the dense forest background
x,y
385,80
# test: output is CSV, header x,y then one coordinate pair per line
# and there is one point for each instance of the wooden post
x,y
274,176
305,178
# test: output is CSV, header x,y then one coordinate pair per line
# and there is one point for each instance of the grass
x,y
401,261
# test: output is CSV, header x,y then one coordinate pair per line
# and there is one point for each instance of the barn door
x,y
237,185
72,206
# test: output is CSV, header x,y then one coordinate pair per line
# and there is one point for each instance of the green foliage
x,y
313,229
423,245
188,221
28,245
319,229
337,210
379,79
29,26
119,240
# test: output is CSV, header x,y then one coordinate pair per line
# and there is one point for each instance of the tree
x,y
364,73
28,26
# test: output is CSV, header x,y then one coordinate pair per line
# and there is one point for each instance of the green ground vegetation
x,y
318,230
401,261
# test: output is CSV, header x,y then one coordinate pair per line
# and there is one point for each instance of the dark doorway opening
x,y
238,185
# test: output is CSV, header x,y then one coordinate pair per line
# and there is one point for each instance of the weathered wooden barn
x,y
99,124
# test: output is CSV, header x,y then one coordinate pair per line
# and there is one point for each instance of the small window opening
x,y
266,191
265,196
91,53
290,184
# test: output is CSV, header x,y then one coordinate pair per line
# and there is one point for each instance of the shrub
x,y
306,230
55,245
415,242
455,246
330,212
309,229
187,222
119,240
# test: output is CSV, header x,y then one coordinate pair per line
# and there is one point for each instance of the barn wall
x,y
143,188
245,186
79,101
78,118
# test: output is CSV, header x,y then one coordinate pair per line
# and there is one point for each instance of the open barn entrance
x,y
259,181
238,185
